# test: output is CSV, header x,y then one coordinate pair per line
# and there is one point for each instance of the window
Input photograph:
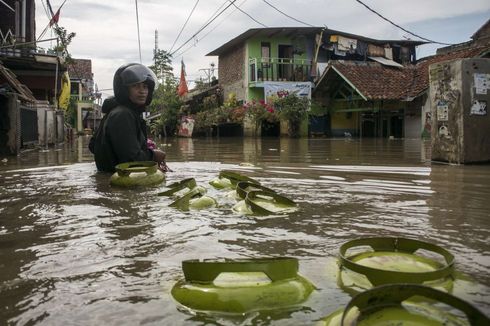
x,y
265,52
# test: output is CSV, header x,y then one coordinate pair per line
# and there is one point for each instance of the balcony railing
x,y
279,69
83,98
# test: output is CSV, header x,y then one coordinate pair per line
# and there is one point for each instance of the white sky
x,y
106,31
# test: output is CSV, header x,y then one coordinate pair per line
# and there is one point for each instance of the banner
x,y
299,88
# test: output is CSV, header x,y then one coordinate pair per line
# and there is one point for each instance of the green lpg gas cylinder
x,y
241,286
406,305
131,174
369,262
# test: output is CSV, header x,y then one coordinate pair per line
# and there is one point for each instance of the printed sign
x,y
186,127
479,108
482,81
300,89
442,111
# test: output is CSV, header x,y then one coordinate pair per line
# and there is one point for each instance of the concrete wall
x,y
13,134
459,134
50,124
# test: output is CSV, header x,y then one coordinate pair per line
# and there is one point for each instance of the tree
x,y
167,103
162,66
65,39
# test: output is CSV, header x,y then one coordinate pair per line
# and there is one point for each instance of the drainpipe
x,y
23,24
17,19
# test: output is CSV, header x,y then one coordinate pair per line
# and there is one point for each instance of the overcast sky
x,y
106,31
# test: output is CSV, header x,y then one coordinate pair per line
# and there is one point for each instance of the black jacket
x,y
121,137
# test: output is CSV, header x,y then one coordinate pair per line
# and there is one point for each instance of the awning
x,y
386,62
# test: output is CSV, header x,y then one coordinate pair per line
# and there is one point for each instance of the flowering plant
x,y
259,111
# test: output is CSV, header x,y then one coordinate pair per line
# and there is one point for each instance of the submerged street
x,y
73,248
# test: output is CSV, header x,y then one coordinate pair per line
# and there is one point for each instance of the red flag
x,y
182,90
55,18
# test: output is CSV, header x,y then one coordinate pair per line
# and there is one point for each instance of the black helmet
x,y
130,74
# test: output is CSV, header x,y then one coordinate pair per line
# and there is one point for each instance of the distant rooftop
x,y
80,69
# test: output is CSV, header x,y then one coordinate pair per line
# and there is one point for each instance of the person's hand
x,y
159,157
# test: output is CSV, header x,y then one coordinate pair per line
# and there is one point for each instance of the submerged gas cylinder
x,y
406,304
369,262
242,285
131,174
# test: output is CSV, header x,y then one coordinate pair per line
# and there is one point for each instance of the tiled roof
x,y
80,69
377,82
422,72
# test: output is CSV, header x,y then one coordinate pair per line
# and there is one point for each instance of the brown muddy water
x,y
75,251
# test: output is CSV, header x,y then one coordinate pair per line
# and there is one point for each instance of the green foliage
x,y
258,111
65,39
200,84
162,66
71,113
293,109
167,102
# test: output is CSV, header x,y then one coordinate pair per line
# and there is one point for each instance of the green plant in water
x,y
259,111
293,109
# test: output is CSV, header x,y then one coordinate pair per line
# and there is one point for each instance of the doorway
x,y
285,64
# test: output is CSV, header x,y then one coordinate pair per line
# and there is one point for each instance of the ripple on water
x,y
79,249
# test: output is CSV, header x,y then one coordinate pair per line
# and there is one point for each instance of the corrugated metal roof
x,y
293,31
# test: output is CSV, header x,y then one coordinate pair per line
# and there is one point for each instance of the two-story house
x,y
88,114
36,69
262,61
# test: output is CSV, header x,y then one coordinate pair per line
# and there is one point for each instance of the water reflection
x,y
110,256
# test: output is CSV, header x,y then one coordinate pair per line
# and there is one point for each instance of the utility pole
x,y
156,48
209,72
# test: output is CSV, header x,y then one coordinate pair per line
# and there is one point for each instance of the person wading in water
x,y
122,136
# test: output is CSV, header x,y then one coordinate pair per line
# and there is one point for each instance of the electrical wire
x,y
182,29
255,20
396,25
221,22
202,28
297,20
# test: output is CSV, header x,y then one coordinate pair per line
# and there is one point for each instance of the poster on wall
x,y
482,83
300,89
442,111
478,108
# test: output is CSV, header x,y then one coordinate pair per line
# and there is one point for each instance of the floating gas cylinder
x,y
406,304
131,174
369,262
194,199
241,285
229,179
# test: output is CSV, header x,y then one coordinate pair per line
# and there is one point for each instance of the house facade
x,y
82,92
262,61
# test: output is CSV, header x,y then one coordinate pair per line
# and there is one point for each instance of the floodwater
x,y
75,251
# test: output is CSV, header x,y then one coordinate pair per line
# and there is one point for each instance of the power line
x,y
200,30
215,12
299,21
182,29
396,25
221,22
255,20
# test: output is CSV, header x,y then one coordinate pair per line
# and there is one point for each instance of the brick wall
x,y
231,72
